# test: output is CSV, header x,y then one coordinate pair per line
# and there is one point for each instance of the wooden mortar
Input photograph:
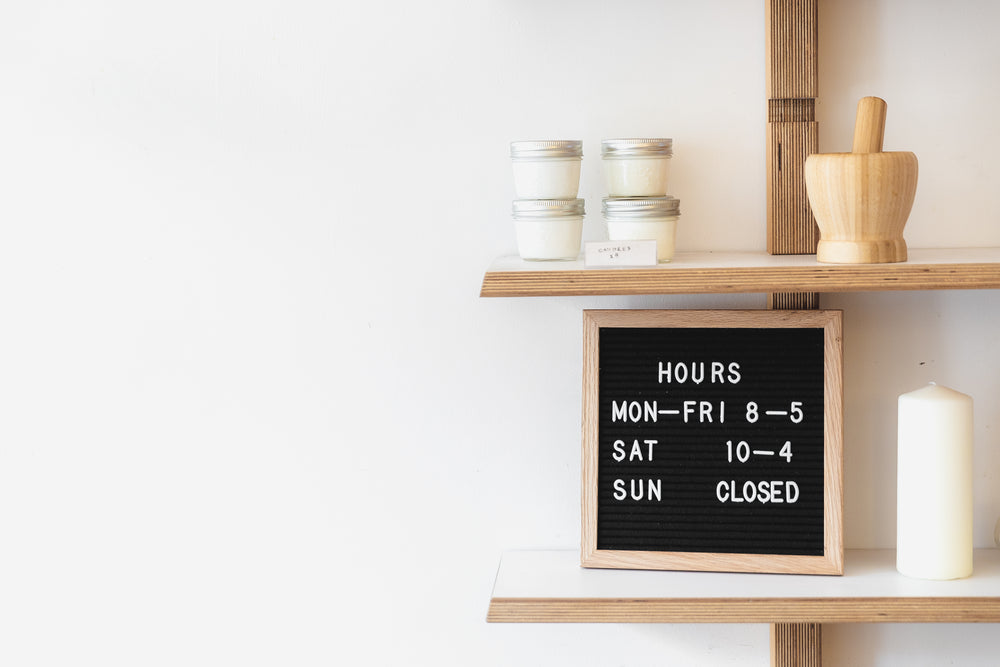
x,y
862,199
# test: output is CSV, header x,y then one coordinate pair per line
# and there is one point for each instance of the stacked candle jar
x,y
638,206
548,216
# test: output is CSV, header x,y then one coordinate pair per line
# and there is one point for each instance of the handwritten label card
x,y
620,253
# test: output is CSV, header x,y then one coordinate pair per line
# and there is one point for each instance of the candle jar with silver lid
x,y
548,229
636,167
546,169
644,218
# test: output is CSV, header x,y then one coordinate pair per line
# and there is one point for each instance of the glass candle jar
x,y
546,169
644,218
548,228
636,167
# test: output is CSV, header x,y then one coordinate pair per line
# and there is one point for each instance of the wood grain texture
x,y
791,227
792,45
833,437
832,560
588,443
792,84
869,125
718,273
791,111
796,645
793,301
746,610
710,319
861,202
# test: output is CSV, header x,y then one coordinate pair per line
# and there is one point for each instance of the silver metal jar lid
x,y
543,149
637,208
637,148
547,208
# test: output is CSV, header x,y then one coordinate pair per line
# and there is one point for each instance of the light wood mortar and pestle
x,y
862,199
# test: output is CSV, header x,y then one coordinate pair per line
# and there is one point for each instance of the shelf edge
x,y
706,273
745,610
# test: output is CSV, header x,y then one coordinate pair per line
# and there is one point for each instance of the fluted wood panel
x,y
791,227
792,45
791,110
796,645
792,134
793,301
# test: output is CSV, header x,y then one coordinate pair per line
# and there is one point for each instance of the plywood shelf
x,y
746,272
551,587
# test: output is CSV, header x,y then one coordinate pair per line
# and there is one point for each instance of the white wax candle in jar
x,y
934,484
636,167
644,218
547,169
548,229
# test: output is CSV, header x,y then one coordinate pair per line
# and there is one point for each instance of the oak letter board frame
x,y
760,341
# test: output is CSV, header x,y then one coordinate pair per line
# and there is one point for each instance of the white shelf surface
x,y
740,259
550,586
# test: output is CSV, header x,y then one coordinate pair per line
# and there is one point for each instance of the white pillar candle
x,y
934,484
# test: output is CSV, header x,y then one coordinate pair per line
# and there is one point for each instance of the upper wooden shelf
x,y
744,272
551,587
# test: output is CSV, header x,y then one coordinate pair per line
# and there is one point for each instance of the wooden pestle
x,y
869,125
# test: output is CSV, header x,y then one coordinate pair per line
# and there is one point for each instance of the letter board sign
x,y
712,440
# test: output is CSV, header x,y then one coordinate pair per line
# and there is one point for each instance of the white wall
x,y
252,410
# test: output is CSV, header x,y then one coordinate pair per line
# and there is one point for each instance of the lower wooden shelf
x,y
551,587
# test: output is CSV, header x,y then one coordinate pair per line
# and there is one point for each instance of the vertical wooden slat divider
x,y
793,301
792,135
792,229
796,645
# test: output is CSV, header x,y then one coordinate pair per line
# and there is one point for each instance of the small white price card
x,y
620,253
